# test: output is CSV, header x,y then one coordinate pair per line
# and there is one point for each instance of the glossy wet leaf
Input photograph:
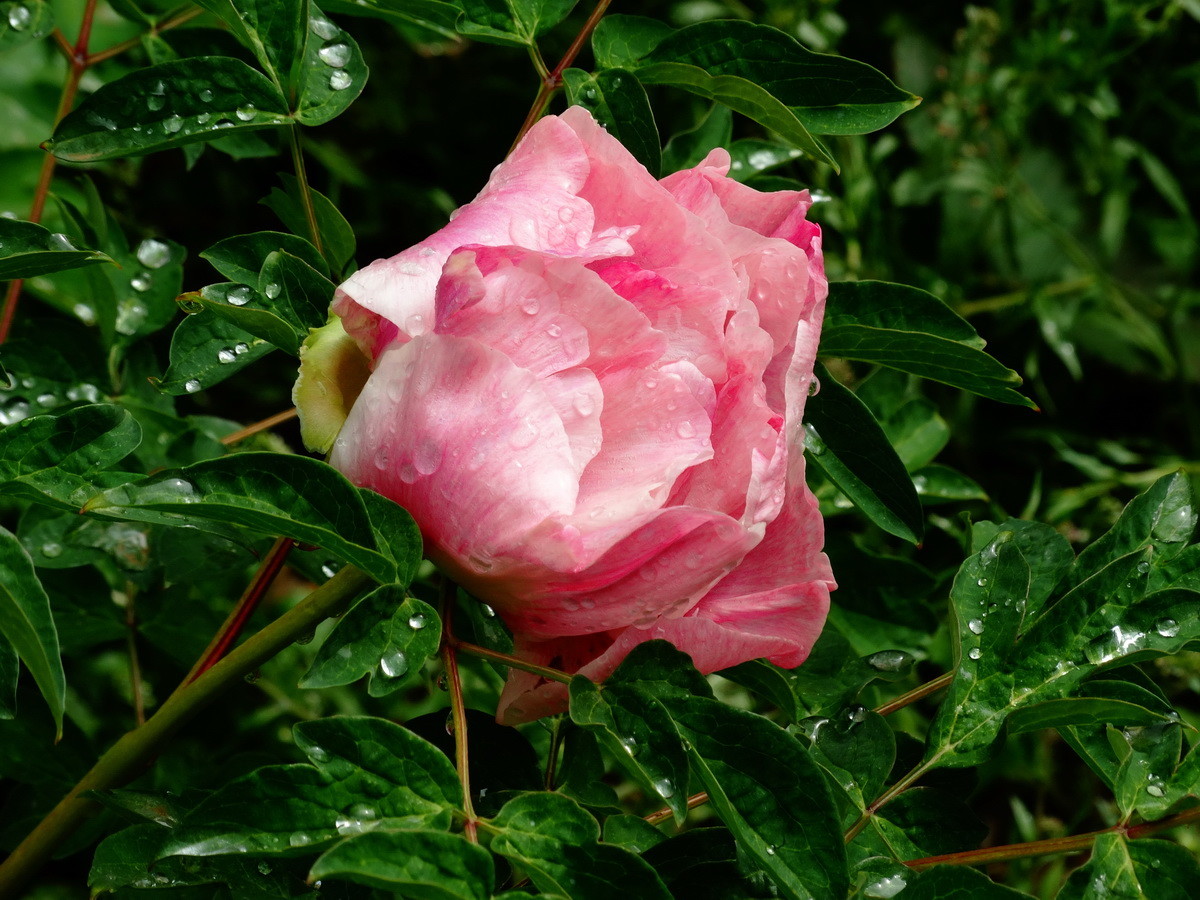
x,y
937,482
829,94
52,459
169,105
8,680
767,790
27,625
429,20
28,249
276,494
847,444
1119,868
240,258
431,865
335,236
910,330
512,22
273,30
249,311
617,100
621,39
366,774
639,734
740,95
556,842
857,750
330,71
957,883
205,350
660,670
387,635
24,21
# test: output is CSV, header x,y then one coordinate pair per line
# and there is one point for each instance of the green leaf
x,y
619,40
829,94
741,96
555,841
936,482
28,625
275,494
1098,701
295,291
1145,868
849,447
386,634
908,329
24,21
1162,517
52,459
169,105
8,680
687,149
639,734
1046,551
631,832
240,258
247,310
957,883
429,865
617,100
366,774
205,350
273,30
426,20
28,250
336,236
768,791
660,670
511,22
858,750
331,71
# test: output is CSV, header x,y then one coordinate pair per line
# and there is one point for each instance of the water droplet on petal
x,y
814,386
340,80
686,430
191,385
584,404
530,306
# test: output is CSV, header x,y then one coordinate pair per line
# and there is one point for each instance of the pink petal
x,y
466,441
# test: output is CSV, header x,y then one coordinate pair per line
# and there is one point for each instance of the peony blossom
x,y
587,389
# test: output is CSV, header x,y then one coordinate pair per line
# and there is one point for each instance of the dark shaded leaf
x,y
27,250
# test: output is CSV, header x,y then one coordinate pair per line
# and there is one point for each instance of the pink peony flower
x,y
587,389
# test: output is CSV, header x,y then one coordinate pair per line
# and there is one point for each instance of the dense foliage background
x,y
1044,189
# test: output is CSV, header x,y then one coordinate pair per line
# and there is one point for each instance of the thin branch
x,y
511,661
265,425
458,710
128,756
228,633
171,20
665,813
1075,843
310,212
924,690
885,798
552,81
135,668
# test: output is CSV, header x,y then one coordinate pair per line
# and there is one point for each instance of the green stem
x,y
1075,843
310,212
458,709
885,798
511,661
130,754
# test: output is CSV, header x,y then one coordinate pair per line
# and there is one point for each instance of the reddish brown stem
x,y
511,661
553,80
264,425
1075,843
924,690
665,813
236,622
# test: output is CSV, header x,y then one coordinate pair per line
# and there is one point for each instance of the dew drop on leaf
x,y
1167,627
172,124
394,664
19,17
339,80
206,96
416,622
976,626
153,254
51,550
141,282
323,28
335,55
974,653
225,356
246,113
271,290
191,385
665,789
239,296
